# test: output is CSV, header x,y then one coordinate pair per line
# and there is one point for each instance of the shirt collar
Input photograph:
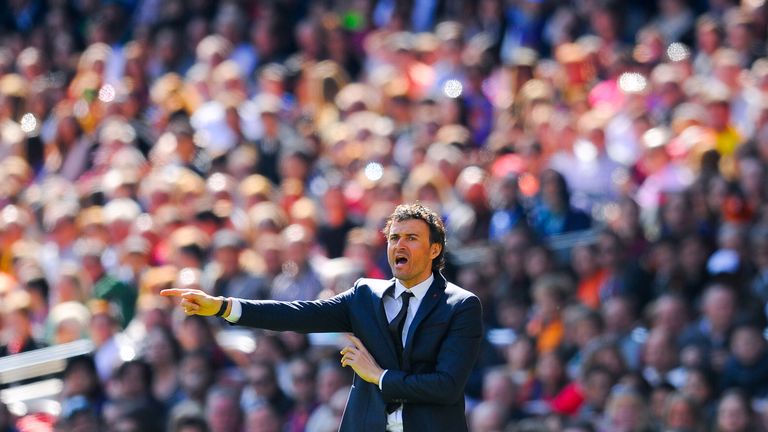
x,y
419,290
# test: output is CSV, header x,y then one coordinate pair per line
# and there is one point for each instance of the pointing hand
x,y
194,301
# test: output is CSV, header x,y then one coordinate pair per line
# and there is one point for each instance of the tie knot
x,y
406,296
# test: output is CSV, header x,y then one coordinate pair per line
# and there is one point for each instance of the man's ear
x,y
434,250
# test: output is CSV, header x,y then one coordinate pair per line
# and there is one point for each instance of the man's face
x,y
132,383
227,258
303,382
18,325
719,308
597,388
718,115
101,328
262,381
223,414
262,419
409,252
93,268
195,375
747,345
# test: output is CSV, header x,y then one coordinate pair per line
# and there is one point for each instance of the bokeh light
x,y
107,93
632,82
28,123
453,88
678,52
374,171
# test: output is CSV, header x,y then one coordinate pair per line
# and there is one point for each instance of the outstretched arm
x,y
317,316
197,302
327,315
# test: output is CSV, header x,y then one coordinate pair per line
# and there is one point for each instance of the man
x,y
262,388
707,337
225,276
412,353
17,316
107,340
60,223
262,418
304,386
105,286
587,166
297,280
223,411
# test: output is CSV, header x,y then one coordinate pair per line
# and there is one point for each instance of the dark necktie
x,y
396,330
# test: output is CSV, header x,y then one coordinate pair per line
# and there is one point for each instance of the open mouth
x,y
400,260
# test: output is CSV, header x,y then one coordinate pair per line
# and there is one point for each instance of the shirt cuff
x,y
235,312
381,378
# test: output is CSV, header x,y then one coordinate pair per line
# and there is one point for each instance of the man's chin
x,y
399,274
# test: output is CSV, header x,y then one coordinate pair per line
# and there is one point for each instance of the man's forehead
x,y
408,226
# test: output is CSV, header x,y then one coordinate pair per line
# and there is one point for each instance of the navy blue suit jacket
x,y
441,348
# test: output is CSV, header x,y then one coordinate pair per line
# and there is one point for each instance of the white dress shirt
x,y
391,308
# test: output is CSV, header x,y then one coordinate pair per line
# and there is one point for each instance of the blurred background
x,y
600,166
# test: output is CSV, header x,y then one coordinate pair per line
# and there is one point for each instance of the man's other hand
x,y
195,302
361,361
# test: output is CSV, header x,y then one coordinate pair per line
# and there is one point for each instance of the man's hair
x,y
405,212
147,376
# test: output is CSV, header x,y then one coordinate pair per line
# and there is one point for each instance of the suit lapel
x,y
381,316
431,299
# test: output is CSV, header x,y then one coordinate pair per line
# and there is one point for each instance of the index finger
x,y
175,292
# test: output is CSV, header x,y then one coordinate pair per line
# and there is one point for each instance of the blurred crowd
x,y
600,166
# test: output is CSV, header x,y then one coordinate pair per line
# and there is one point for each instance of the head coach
x,y
415,337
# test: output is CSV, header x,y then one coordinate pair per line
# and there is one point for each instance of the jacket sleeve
x,y
455,360
318,316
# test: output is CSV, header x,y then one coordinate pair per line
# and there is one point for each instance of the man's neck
x,y
428,278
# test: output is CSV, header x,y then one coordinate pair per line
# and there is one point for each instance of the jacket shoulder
x,y
458,294
373,284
